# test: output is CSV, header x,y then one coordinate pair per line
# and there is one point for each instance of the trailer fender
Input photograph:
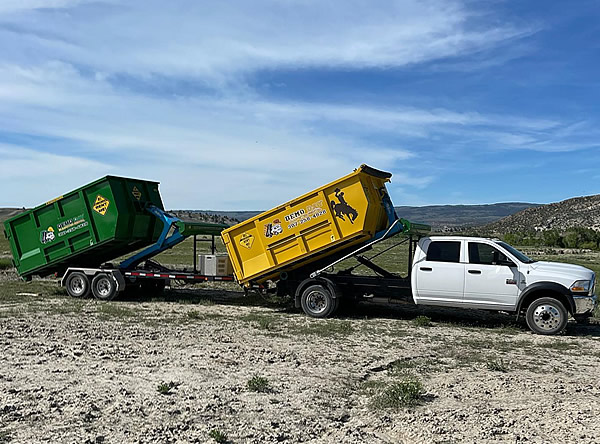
x,y
328,283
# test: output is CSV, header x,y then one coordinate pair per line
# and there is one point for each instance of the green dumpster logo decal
x,y
101,205
70,225
47,235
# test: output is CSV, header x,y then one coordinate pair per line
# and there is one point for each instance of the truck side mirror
x,y
506,262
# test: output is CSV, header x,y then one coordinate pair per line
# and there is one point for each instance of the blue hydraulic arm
x,y
164,241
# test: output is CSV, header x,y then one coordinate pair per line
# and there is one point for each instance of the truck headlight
x,y
581,286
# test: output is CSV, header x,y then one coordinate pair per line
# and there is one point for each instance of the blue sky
x,y
242,105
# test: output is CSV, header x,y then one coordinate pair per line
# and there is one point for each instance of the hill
x,y
454,216
578,212
6,213
440,217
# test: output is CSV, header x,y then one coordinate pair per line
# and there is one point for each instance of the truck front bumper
x,y
585,304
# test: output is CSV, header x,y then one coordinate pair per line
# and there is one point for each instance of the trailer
x,y
76,235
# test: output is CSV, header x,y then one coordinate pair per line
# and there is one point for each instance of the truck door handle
x,y
475,271
426,269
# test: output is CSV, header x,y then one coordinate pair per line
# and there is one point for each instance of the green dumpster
x,y
89,226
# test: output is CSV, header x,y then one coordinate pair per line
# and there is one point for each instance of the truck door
x,y
441,276
489,282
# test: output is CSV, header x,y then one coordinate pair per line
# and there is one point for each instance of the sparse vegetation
x,y
322,327
405,392
258,384
260,321
112,310
165,388
422,321
497,365
218,436
5,264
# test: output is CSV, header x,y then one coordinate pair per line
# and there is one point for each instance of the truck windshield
x,y
522,257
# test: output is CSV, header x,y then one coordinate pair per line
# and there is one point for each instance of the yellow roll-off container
x,y
316,225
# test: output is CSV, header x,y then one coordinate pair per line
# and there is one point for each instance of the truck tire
x,y
104,287
78,285
546,316
317,301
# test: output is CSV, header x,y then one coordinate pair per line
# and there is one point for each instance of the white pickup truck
x,y
464,272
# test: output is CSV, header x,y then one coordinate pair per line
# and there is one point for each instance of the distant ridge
x,y
577,212
440,217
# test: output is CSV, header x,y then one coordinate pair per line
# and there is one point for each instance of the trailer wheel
x,y
546,316
104,287
317,301
78,285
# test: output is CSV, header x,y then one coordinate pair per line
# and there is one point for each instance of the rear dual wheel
x,y
318,302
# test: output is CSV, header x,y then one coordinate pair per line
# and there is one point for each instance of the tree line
x,y
584,238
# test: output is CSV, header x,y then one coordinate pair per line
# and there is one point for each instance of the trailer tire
x,y
77,285
104,287
317,301
547,316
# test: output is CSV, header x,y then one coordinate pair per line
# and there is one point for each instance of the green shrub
x,y
497,366
404,393
422,321
218,436
258,384
165,388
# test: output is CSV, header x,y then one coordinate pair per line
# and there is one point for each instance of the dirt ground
x,y
80,371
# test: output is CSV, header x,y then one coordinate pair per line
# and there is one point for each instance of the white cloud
x,y
223,39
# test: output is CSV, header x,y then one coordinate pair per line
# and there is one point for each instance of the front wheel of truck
x,y
547,316
317,301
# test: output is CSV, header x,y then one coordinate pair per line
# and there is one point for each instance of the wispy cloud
x,y
91,87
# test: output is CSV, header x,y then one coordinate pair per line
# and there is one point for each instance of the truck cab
x,y
482,273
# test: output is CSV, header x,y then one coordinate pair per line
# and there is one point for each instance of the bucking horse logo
x,y
342,208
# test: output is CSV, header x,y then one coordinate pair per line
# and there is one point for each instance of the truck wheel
x,y
104,287
317,301
546,316
78,285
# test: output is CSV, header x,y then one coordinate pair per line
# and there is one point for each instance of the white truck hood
x,y
568,273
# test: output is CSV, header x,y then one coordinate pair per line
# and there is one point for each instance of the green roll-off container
x,y
86,227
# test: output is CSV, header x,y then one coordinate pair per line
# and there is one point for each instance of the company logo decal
x,y
343,208
302,216
70,225
247,240
101,205
47,235
274,228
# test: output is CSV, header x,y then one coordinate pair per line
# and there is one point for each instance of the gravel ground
x,y
79,371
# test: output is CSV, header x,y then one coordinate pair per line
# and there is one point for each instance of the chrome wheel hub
x,y
77,285
103,287
316,302
546,317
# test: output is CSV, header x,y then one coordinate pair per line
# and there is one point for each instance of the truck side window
x,y
484,254
444,251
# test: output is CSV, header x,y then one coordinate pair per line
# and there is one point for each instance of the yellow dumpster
x,y
314,226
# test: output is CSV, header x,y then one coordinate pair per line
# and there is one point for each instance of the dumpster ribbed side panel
x,y
85,227
345,212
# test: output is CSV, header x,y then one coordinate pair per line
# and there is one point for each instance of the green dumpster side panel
x,y
86,227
